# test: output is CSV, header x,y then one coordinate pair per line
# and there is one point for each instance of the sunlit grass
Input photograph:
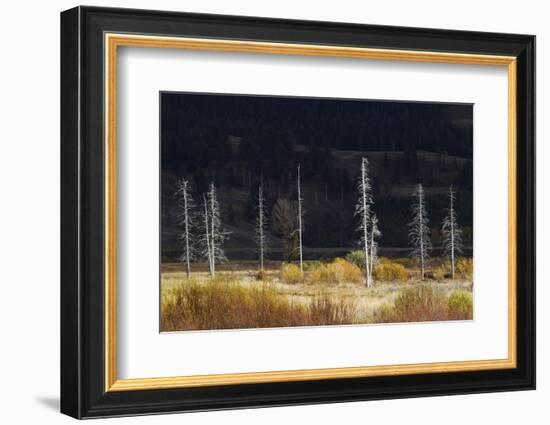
x,y
423,303
222,303
326,293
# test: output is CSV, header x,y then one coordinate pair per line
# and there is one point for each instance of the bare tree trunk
x,y
261,224
452,239
420,224
207,235
365,221
451,232
186,218
371,255
419,231
300,220
212,237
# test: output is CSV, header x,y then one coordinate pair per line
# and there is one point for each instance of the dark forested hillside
x,y
236,141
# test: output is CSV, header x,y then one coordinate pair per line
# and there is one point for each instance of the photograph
x,y
295,209
299,211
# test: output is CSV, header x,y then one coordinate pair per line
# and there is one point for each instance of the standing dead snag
x,y
186,221
452,233
374,235
261,225
300,215
419,232
368,223
205,238
217,234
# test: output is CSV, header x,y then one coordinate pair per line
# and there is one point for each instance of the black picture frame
x,y
83,392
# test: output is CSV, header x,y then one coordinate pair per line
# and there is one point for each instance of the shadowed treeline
x,y
236,141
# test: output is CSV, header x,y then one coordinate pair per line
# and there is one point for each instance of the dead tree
x,y
186,220
300,217
218,234
204,240
452,233
368,223
419,232
261,226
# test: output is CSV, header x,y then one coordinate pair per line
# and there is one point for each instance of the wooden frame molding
x,y
111,43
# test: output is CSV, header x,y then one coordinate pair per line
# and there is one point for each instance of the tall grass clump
x,y
461,304
424,303
325,310
218,304
221,303
420,303
290,273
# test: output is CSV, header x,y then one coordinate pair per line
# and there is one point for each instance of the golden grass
x,y
330,293
291,273
222,303
461,304
426,303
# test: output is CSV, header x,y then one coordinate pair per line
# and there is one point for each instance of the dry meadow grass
x,y
326,294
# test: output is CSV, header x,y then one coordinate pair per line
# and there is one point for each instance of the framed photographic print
x,y
261,212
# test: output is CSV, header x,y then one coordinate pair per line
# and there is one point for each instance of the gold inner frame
x,y
113,41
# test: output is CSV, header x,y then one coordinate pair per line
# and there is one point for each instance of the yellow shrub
x,y
339,271
465,268
388,271
351,272
291,273
326,273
